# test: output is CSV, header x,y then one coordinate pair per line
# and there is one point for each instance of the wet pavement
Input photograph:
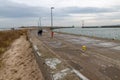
x,y
101,60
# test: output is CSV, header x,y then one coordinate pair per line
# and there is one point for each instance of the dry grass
x,y
7,37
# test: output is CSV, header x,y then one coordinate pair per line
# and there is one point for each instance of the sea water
x,y
5,29
110,33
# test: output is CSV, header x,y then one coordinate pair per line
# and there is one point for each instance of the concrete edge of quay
x,y
44,68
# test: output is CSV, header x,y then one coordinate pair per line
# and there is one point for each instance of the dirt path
x,y
18,63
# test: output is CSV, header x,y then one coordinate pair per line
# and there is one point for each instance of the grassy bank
x,y
7,37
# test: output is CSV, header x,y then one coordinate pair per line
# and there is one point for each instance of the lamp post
x,y
52,33
52,17
39,22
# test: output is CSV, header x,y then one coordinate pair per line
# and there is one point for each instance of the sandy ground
x,y
18,63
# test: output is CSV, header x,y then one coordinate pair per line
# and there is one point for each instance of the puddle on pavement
x,y
75,41
82,40
79,39
55,44
88,39
64,36
111,72
106,44
116,48
70,51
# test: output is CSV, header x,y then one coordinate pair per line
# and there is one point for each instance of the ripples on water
x,y
110,33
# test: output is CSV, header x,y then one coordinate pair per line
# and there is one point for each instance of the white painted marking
x,y
35,47
80,75
52,62
61,74
38,53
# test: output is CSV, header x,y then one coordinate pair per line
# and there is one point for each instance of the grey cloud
x,y
108,17
87,10
14,10
10,9
62,12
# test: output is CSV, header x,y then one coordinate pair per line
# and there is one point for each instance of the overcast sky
x,y
15,13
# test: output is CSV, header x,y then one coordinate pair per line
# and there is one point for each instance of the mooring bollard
x,y
84,48
52,34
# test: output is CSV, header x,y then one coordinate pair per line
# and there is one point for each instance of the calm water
x,y
111,33
5,29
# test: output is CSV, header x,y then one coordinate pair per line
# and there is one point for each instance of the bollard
x,y
84,48
52,34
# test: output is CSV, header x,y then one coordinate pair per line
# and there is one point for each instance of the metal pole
x,y
52,17
40,21
52,33
38,24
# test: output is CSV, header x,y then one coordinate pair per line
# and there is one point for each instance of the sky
x,y
16,13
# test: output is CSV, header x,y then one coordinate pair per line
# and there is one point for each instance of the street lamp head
x,y
52,7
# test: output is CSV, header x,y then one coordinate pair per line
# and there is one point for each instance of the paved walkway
x,y
101,60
